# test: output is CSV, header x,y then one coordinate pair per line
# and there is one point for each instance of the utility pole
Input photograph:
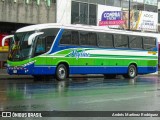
x,y
129,14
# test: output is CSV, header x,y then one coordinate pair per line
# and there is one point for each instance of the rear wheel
x,y
132,72
61,72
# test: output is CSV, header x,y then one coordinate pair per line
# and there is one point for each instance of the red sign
x,y
111,22
2,35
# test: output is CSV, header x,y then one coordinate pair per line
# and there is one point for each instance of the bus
x,y
61,50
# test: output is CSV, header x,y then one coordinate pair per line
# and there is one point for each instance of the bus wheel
x,y
61,72
132,72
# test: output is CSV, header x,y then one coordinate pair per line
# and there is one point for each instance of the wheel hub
x,y
132,72
61,73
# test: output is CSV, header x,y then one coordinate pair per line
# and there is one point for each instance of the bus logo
x,y
78,53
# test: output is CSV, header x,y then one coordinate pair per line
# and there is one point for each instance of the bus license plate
x,y
14,71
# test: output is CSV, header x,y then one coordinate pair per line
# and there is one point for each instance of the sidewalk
x,y
5,75
3,72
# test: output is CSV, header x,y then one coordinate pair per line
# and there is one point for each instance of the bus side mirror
x,y
5,38
33,36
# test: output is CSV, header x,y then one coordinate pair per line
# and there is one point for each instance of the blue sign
x,y
111,15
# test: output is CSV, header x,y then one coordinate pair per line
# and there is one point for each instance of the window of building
x,y
125,5
82,1
159,16
151,2
150,8
117,3
121,41
75,19
110,2
105,40
92,14
83,13
133,5
140,6
135,42
97,1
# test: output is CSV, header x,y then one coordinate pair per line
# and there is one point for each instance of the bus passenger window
x,y
49,41
84,38
149,43
92,39
121,41
135,42
105,40
75,38
66,37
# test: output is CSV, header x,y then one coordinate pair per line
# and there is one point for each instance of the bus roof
x,y
85,28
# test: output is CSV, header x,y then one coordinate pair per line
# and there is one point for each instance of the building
x,y
139,15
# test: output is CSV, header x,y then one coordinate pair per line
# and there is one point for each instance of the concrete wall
x,y
20,12
63,11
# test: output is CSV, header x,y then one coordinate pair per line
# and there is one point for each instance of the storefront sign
x,y
109,16
6,45
140,20
147,21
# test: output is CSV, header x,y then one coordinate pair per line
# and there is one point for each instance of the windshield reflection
x,y
19,48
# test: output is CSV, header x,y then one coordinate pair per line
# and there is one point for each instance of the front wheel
x,y
61,72
132,72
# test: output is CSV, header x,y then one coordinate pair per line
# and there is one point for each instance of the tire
x,y
132,72
61,72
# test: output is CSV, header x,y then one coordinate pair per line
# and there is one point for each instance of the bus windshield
x,y
19,48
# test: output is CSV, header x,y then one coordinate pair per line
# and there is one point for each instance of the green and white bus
x,y
61,50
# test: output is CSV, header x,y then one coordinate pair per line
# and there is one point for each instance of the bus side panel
x,y
97,70
148,66
145,70
44,70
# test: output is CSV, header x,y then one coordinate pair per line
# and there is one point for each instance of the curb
x,y
15,77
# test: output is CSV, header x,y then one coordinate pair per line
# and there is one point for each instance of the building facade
x,y
139,15
124,14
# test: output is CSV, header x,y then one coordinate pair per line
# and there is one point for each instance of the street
x,y
81,94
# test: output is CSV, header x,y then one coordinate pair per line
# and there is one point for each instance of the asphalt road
x,y
81,94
